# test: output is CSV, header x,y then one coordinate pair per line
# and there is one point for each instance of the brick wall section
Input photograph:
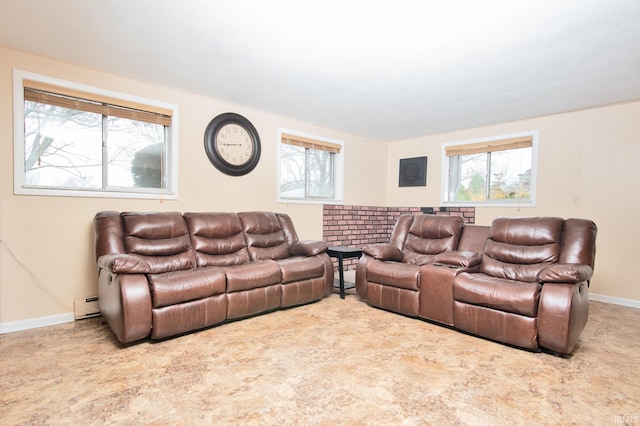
x,y
468,213
358,226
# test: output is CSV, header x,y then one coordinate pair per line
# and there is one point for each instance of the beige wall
x,y
590,154
53,235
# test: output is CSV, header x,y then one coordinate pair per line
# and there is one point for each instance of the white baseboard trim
x,y
615,300
10,327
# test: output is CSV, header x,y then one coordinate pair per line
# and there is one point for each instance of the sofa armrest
x,y
383,251
125,303
563,311
570,273
123,263
307,248
464,258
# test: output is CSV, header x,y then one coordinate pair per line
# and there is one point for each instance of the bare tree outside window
x,y
292,171
72,149
135,153
306,173
62,147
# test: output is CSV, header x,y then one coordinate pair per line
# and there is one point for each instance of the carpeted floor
x,y
332,362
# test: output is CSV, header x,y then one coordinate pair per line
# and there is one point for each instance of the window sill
x,y
518,204
308,201
45,192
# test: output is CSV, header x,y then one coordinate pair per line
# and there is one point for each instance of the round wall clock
x,y
232,144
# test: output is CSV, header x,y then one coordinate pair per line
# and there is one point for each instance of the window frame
x,y
20,187
444,190
338,170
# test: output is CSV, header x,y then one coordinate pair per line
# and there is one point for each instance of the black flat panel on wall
x,y
413,172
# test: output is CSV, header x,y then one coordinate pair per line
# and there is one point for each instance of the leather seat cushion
x,y
300,268
252,275
394,274
174,287
497,293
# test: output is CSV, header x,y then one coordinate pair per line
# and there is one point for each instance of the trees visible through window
x,y
76,141
491,171
309,168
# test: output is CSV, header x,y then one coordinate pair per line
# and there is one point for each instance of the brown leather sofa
x,y
164,274
521,281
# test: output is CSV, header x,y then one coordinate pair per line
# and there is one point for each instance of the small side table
x,y
341,253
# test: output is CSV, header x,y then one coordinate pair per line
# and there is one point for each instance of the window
x,y
310,168
491,171
76,140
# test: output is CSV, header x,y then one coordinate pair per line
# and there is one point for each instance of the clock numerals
x,y
234,145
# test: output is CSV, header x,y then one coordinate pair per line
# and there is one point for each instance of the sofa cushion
x,y
430,235
473,238
264,235
503,295
289,230
108,233
161,239
174,287
519,248
251,275
394,274
300,268
217,238
578,242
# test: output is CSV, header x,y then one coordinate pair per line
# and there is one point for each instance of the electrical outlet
x,y
86,308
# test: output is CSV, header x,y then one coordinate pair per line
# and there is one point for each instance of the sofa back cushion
x,y
108,233
400,230
217,239
429,235
578,242
264,236
289,230
473,238
161,239
518,248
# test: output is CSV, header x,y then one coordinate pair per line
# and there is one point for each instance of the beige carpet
x,y
332,362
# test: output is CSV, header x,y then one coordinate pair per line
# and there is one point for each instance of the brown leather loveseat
x,y
167,273
521,281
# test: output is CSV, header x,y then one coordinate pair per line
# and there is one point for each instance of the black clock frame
x,y
216,159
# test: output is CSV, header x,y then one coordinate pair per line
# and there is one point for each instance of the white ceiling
x,y
386,70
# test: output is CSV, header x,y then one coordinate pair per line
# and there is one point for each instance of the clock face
x,y
234,144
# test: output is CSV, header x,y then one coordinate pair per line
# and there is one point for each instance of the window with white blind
x,y
76,140
310,168
492,171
